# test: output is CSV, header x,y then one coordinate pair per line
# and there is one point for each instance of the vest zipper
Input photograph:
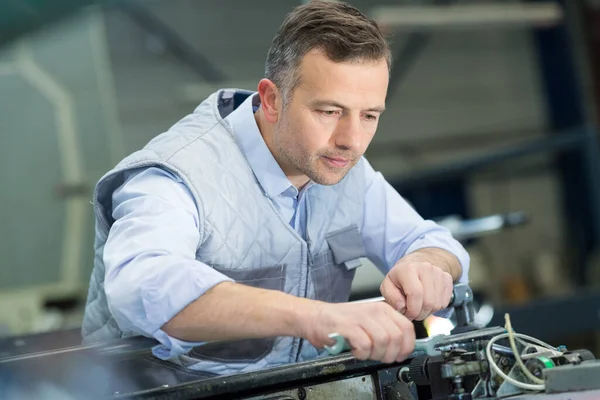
x,y
309,263
310,257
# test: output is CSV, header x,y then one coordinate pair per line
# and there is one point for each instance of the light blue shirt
x,y
155,236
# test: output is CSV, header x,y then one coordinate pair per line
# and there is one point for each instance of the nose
x,y
348,134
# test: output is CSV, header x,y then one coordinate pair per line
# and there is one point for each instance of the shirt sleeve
x,y
392,228
149,256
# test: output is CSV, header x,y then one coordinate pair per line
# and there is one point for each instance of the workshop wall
x,y
59,134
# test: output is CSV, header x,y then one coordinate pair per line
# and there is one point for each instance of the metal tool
x,y
425,346
462,303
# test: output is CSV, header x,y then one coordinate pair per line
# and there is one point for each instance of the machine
x,y
472,363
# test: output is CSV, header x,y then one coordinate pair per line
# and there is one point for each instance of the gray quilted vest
x,y
244,236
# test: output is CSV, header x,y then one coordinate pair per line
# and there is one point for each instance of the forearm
x,y
231,311
440,258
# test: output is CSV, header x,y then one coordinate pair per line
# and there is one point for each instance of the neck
x,y
267,130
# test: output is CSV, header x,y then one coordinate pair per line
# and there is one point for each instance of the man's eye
x,y
371,117
329,113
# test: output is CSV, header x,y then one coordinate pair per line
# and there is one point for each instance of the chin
x,y
329,179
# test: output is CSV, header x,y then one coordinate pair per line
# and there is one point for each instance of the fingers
x,y
408,344
374,331
393,295
408,340
444,287
373,339
430,293
448,289
443,291
407,337
410,283
425,287
395,347
381,338
361,343
392,335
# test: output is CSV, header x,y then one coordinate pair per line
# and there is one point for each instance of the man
x,y
246,221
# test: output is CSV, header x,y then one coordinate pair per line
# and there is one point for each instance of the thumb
x,y
393,295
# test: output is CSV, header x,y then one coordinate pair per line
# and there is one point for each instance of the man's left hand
x,y
417,287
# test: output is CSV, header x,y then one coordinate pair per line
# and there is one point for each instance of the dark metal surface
x,y
254,383
62,342
571,378
126,369
35,343
92,371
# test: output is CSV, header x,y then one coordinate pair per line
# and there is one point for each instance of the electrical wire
x,y
515,336
497,370
513,346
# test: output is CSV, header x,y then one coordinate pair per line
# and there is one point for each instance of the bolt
x,y
302,393
458,384
403,375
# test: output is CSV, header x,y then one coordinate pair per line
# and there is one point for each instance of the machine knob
x,y
418,371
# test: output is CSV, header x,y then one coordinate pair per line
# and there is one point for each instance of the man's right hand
x,y
374,330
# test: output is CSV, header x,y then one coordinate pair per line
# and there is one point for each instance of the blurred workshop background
x,y
491,129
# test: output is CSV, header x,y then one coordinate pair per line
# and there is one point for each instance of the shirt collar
x,y
266,169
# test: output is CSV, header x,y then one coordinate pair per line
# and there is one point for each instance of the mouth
x,y
337,162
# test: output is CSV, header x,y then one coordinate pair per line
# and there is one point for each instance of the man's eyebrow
x,y
331,103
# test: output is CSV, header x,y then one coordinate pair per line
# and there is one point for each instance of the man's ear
x,y
270,100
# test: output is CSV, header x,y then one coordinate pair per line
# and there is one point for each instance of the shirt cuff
x,y
448,244
170,347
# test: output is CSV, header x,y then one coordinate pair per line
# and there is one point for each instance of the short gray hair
x,y
340,30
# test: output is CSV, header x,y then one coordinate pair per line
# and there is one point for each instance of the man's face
x,y
330,118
